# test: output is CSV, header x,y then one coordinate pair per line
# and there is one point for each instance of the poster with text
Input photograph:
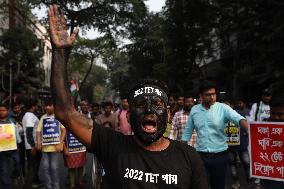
x,y
7,137
73,145
50,131
233,134
267,150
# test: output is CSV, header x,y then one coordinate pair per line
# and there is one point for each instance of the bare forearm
x,y
63,135
38,136
244,124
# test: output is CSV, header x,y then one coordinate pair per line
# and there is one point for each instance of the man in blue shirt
x,y
209,119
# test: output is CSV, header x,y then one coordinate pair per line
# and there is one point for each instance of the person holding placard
x,y
75,160
9,137
276,115
50,137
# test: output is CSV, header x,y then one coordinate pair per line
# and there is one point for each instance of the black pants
x,y
6,169
33,167
22,153
216,168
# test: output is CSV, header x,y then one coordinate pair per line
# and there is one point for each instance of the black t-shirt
x,y
128,165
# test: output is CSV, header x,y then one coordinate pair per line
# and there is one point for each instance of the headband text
x,y
147,90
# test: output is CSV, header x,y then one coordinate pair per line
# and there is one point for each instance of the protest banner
x,y
50,131
73,144
233,134
267,150
7,137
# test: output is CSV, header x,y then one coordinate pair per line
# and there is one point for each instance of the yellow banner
x,y
7,137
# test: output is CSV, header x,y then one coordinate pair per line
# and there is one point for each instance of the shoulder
x,y
196,108
113,115
177,114
254,105
223,106
43,116
26,115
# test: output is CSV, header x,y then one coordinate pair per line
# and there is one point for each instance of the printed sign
x,y
50,131
267,150
233,134
7,137
73,145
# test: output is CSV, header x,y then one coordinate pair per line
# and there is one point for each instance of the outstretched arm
x,y
65,112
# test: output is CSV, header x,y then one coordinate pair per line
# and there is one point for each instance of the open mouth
x,y
149,126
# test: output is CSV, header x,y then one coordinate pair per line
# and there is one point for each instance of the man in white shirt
x,y
261,111
30,122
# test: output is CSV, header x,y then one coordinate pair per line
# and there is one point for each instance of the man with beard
x,y
143,160
84,105
180,102
180,119
209,119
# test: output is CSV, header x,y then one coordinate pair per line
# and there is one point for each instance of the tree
x,y
108,16
22,49
252,44
189,37
82,67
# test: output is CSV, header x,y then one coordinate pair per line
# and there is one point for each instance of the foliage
x,y
23,50
82,67
108,16
240,40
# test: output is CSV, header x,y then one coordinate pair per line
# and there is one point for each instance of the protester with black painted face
x,y
143,160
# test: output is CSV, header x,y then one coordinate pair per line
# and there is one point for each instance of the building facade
x,y
11,16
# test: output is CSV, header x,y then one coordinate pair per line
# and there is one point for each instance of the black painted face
x,y
148,116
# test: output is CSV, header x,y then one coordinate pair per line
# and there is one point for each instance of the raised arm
x,y
65,112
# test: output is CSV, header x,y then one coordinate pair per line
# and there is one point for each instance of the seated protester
x,y
50,150
107,118
130,161
10,137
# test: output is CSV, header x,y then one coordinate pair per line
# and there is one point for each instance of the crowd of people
x,y
31,153
153,140
21,165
